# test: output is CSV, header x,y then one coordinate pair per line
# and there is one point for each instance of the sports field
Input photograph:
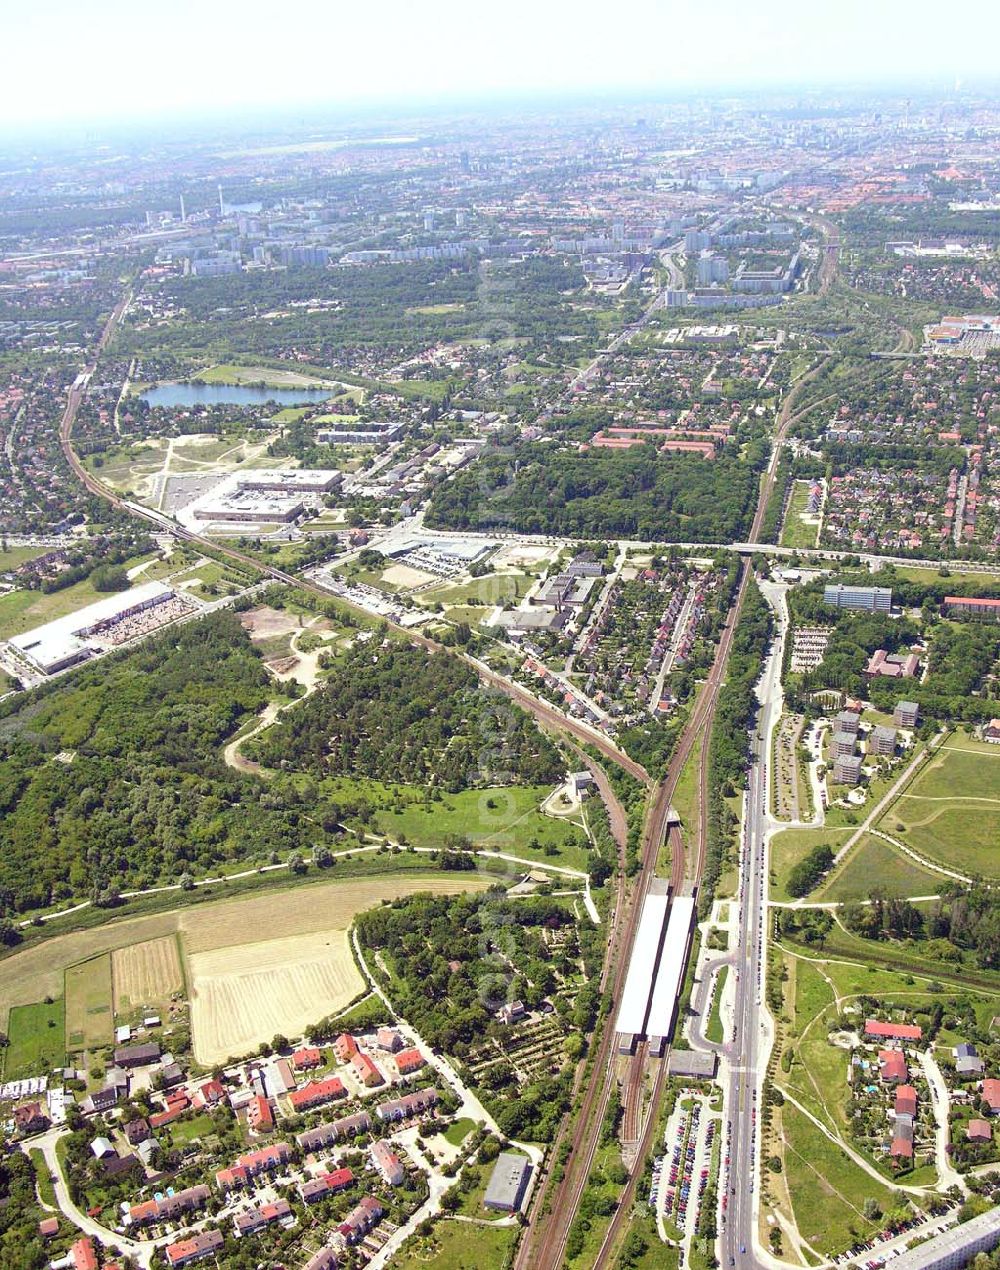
x,y
951,812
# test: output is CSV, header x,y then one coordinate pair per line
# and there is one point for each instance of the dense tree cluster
x,y
729,743
396,713
20,1245
964,920
141,793
605,494
803,876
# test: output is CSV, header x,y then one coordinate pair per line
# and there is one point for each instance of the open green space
x,y
229,373
37,1036
184,1131
89,1004
790,846
512,824
43,1178
795,532
453,1245
951,811
827,1188
14,557
494,588
714,1030
871,863
458,1131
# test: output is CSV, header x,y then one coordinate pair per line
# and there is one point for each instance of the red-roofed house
x,y
259,1115
304,1059
211,1094
892,1066
979,1131
316,1093
409,1061
991,1095
366,1071
906,1101
84,1254
345,1047
389,1039
878,1029
186,1251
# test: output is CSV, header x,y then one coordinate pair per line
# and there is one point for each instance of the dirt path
x,y
306,671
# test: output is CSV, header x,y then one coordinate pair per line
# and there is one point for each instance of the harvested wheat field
x,y
298,969
306,910
244,994
146,975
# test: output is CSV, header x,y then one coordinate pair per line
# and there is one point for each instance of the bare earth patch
x,y
402,575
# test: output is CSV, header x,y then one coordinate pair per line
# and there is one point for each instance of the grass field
x,y
37,1035
14,557
875,862
494,588
146,975
455,1245
828,1189
227,373
22,610
714,1030
951,812
511,825
795,532
89,1004
790,846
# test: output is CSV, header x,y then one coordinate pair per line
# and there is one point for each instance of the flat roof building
x,y
633,1009
508,1182
670,974
871,599
847,769
68,640
955,1247
906,714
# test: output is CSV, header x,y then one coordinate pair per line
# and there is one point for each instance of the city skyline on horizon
x,y
98,68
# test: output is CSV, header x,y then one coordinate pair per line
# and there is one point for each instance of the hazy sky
x,y
88,59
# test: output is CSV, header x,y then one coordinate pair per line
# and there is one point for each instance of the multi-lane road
x,y
746,1055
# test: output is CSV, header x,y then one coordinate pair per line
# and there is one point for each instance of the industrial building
x,y
508,1182
869,599
71,639
264,496
634,1007
670,975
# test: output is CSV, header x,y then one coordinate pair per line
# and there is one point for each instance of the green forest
x,y
637,493
395,713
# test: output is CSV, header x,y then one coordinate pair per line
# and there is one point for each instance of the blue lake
x,y
172,395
